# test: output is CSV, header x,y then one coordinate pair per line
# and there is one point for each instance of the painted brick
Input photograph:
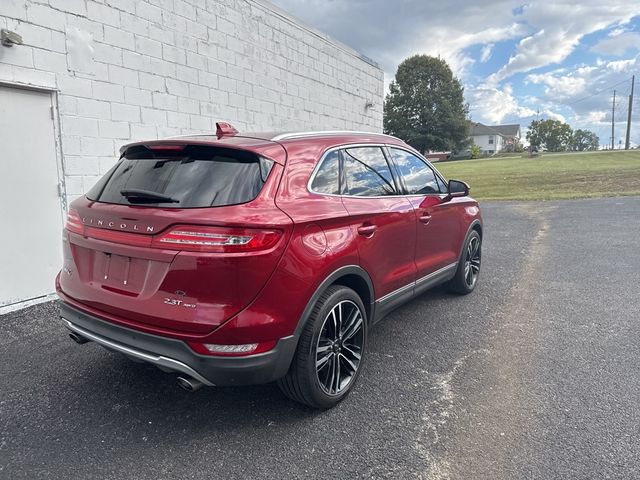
x,y
152,82
80,165
123,76
77,7
164,67
149,47
129,113
107,53
73,185
13,9
119,38
173,54
111,129
45,16
164,101
108,91
144,132
137,96
103,14
126,5
94,108
79,126
96,146
18,56
136,61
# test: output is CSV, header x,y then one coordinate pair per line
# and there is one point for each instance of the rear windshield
x,y
189,178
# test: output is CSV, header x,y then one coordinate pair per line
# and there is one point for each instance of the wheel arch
x,y
475,225
351,276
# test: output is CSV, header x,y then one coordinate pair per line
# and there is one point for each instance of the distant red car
x,y
240,259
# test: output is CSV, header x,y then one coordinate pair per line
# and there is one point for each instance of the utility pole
x,y
613,120
627,142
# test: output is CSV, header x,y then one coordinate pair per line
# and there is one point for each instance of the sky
x,y
560,58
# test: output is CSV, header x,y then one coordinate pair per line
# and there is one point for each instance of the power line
x,y
597,93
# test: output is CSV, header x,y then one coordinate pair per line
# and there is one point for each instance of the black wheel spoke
x,y
348,363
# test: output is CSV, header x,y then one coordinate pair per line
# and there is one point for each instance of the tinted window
x,y
417,175
366,172
327,176
193,177
441,184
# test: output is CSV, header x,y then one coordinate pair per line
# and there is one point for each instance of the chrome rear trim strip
x,y
158,360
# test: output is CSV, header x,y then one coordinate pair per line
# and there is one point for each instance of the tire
x,y
468,271
319,344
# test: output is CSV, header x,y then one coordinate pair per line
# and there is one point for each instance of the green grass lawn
x,y
549,176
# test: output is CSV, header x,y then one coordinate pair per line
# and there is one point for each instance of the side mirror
x,y
456,188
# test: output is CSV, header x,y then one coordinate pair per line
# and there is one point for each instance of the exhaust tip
x,y
78,338
189,384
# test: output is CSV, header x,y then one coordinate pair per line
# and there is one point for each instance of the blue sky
x,y
514,58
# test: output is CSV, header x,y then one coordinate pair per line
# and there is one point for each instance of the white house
x,y
88,76
495,138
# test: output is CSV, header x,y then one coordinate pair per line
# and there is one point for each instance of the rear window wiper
x,y
145,196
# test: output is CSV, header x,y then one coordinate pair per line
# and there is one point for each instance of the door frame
x,y
57,135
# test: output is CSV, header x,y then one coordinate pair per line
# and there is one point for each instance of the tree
x,y
553,135
475,151
585,140
425,106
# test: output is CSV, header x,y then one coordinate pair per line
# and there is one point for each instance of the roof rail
x,y
320,133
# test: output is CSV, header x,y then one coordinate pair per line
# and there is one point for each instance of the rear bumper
x,y
174,355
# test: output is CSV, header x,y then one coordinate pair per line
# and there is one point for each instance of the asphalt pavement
x,y
534,375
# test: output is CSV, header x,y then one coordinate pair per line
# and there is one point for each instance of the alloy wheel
x,y
472,262
339,347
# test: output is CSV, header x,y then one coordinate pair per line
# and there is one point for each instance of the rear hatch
x,y
177,237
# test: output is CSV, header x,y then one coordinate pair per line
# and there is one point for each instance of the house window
x,y
490,139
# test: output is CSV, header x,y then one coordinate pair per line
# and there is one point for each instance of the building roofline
x,y
295,21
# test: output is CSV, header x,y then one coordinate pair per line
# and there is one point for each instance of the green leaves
x,y
425,106
556,136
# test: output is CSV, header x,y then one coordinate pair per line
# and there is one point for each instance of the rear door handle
x,y
367,230
425,218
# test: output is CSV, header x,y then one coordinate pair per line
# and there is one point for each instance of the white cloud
x,y
485,55
618,44
550,114
559,27
491,105
622,65
388,32
559,86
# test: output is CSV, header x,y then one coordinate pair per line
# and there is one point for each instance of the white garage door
x,y
30,209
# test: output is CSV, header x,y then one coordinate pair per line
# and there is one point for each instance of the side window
x,y
443,186
366,172
417,175
328,175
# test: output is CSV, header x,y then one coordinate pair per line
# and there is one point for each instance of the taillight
x,y
74,223
166,148
216,239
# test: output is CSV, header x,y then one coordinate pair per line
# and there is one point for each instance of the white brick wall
x,y
135,69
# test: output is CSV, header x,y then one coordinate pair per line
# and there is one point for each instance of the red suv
x,y
239,259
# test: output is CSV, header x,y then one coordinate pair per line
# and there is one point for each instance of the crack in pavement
x,y
507,372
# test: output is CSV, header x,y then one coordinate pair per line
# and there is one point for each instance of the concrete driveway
x,y
534,375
